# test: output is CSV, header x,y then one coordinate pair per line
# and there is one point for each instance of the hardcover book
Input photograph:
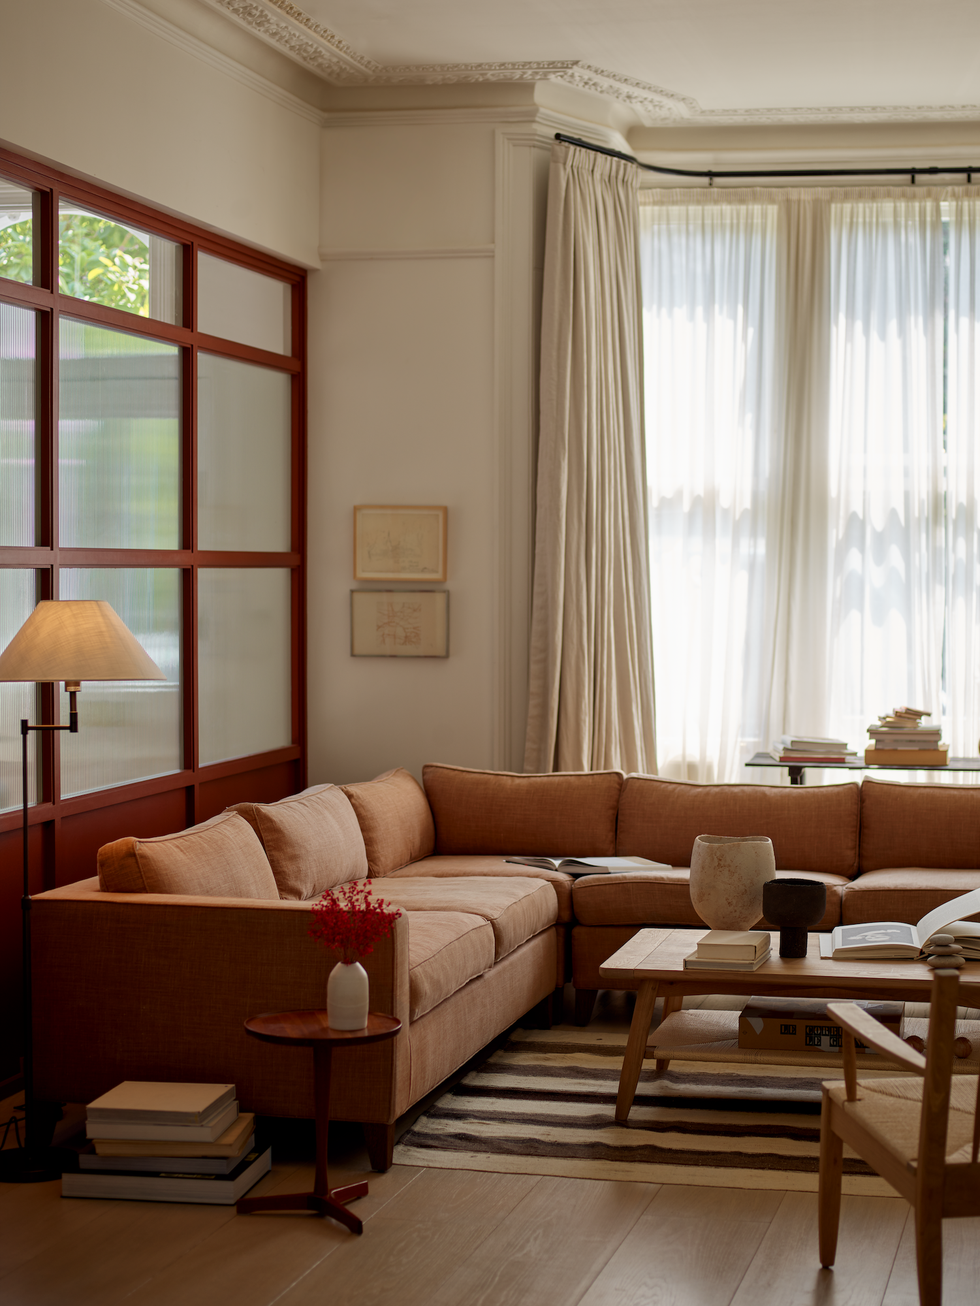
x,y
591,865
157,1186
231,1143
900,941
160,1103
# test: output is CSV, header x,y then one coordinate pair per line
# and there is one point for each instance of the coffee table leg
x,y
646,997
671,1004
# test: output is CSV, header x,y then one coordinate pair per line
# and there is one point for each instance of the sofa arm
x,y
157,987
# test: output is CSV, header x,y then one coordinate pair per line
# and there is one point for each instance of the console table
x,y
796,769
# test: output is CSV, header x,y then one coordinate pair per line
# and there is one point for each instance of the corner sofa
x,y
149,970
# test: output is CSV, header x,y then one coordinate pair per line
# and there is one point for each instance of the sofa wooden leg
x,y
557,1006
584,1004
380,1141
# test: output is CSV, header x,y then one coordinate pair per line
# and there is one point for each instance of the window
x,y
812,437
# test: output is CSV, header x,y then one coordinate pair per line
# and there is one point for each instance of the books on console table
x,y
910,757
900,941
192,1185
730,950
591,865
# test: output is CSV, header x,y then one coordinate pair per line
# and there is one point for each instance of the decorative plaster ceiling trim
x,y
359,255
207,54
856,113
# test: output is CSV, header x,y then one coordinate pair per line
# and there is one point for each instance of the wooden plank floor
x,y
446,1237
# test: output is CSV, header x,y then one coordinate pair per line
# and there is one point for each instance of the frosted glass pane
x,y
18,598
107,262
239,304
18,256
18,336
244,448
243,622
127,729
119,434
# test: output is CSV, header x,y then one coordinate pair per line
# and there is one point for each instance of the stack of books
x,y
903,739
730,950
811,750
159,1142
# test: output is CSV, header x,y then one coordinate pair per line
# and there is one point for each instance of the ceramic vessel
x,y
347,996
727,875
794,906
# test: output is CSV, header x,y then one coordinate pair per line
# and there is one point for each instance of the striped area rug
x,y
543,1104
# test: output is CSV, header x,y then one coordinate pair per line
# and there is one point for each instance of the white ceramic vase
x,y
347,996
727,875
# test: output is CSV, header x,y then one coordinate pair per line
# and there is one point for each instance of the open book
x,y
899,941
591,865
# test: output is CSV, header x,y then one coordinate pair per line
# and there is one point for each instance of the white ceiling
x,y
676,60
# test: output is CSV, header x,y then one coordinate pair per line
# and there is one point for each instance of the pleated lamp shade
x,y
73,640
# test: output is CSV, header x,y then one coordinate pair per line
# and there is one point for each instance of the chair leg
x,y
584,1004
929,1253
831,1171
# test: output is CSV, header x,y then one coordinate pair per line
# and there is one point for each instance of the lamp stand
x,y
35,1161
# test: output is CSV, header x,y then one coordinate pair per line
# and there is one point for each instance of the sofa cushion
x,y
394,818
564,814
456,867
517,908
664,898
221,858
446,949
919,825
312,840
903,893
811,829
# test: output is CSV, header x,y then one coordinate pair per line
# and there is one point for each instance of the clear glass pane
x,y
119,440
18,256
127,730
18,598
18,337
244,447
102,260
239,304
243,622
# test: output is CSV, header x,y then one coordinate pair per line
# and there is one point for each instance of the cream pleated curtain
x,y
815,557
591,668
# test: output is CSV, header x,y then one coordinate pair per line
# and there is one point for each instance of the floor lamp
x,y
70,640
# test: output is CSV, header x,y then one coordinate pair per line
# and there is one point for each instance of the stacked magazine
x,y
161,1142
902,738
810,750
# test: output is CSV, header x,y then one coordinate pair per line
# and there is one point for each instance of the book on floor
x,y
899,941
160,1103
206,1132
796,1024
231,1143
591,865
161,1186
91,1160
733,945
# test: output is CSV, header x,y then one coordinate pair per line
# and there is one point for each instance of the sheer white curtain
x,y
813,543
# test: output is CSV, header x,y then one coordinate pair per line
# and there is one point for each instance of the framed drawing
x,y
399,623
392,542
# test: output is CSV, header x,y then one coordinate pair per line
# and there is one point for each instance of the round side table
x,y
310,1029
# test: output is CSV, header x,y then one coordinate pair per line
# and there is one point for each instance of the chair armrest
x,y
857,1021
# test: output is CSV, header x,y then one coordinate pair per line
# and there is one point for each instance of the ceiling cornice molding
x,y
292,31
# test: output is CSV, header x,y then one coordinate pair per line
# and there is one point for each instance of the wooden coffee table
x,y
310,1029
655,957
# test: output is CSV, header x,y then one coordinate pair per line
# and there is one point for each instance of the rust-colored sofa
x,y
149,971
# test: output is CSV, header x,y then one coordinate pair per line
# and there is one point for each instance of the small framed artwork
x,y
399,623
401,543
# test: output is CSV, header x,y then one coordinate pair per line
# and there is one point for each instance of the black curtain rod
x,y
785,172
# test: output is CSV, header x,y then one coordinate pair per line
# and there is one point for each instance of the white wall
x,y
139,108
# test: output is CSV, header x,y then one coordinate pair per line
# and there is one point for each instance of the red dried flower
x,y
350,921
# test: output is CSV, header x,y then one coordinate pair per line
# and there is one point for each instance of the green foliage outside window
x,y
98,260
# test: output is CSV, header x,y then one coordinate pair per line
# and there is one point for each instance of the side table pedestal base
x,y
328,1204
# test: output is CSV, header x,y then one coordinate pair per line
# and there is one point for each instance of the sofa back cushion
x,y
565,813
395,820
312,840
812,829
221,858
934,825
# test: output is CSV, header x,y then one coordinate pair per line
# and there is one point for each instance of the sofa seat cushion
x,y
446,949
812,829
936,825
563,814
903,893
517,908
312,840
664,898
454,867
220,858
394,818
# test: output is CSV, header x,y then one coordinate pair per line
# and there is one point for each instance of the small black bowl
x,y
793,905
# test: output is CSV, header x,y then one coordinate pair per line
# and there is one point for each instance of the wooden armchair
x,y
921,1135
